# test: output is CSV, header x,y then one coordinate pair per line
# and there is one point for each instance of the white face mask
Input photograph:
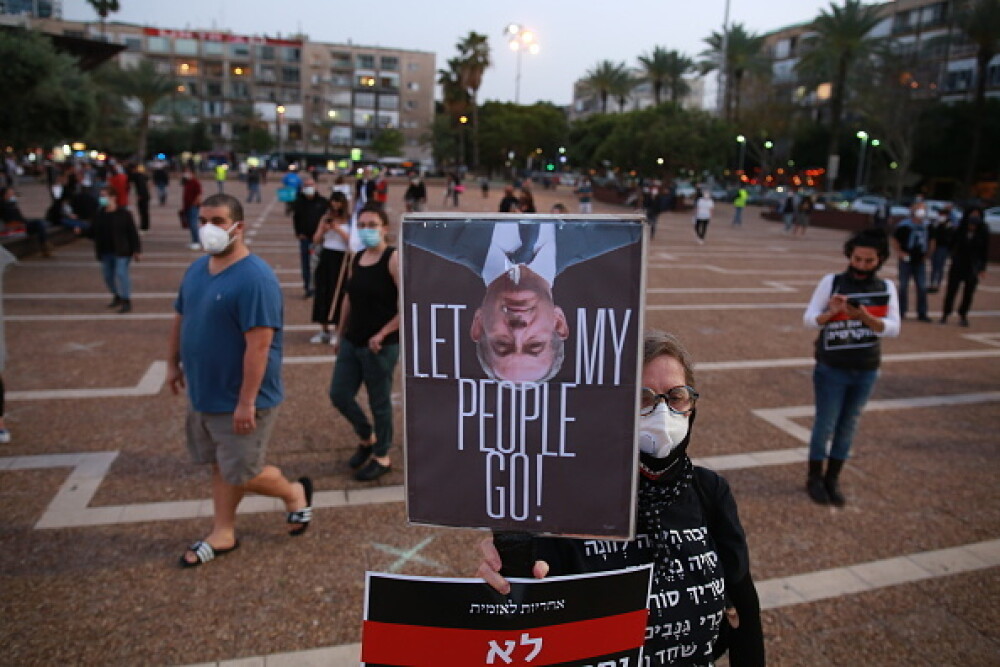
x,y
215,239
309,191
661,431
920,213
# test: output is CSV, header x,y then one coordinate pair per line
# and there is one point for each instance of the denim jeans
x,y
737,216
304,260
916,270
354,366
193,224
938,260
115,270
841,394
253,192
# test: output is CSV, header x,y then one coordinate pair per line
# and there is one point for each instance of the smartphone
x,y
854,302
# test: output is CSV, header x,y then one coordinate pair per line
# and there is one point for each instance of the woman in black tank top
x,y
369,345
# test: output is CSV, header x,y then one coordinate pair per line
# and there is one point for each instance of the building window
x,y
240,90
389,81
340,80
340,135
958,80
291,54
133,43
388,102
411,105
266,73
187,68
186,47
239,50
289,74
365,61
157,45
364,100
265,52
363,136
389,63
213,89
413,86
340,60
213,48
214,70
363,118
340,98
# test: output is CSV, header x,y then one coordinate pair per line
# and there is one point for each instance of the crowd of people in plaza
x,y
227,337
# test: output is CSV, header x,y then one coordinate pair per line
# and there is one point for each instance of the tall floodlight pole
x,y
520,39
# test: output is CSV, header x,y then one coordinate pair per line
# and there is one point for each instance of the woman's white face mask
x,y
662,430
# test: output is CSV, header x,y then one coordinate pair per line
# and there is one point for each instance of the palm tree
x,y
842,39
979,21
144,84
454,95
103,8
655,70
678,67
743,54
606,78
474,50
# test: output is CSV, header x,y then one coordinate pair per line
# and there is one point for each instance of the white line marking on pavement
x,y
149,385
774,593
406,555
793,362
782,417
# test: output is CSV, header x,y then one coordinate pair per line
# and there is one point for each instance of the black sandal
x,y
302,517
205,552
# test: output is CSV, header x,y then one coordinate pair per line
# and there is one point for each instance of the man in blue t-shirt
x,y
225,348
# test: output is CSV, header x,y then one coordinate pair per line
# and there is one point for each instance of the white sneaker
x,y
334,339
4,436
195,246
321,337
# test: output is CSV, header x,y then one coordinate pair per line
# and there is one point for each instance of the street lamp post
x,y
520,39
859,173
279,114
742,141
868,166
462,120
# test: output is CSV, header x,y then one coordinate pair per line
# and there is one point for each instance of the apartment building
x,y
944,67
319,100
586,101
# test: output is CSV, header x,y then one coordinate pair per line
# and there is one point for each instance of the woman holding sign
x,y
703,600
369,344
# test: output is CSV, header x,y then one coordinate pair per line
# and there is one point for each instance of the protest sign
x,y
592,619
521,339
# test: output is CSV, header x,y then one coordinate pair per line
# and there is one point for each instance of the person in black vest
x,y
688,527
853,310
308,209
116,244
140,181
368,347
970,252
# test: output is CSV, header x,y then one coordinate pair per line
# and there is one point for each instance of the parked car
x,y
868,204
992,218
684,189
824,200
719,193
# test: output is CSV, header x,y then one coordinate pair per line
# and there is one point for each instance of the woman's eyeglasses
x,y
679,399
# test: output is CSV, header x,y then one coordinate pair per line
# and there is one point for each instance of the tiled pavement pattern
x,y
99,501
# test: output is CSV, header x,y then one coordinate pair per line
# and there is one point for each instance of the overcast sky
x,y
574,36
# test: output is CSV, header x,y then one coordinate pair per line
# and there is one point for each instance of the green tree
x,y
388,143
606,78
47,100
103,8
474,50
843,39
743,53
521,129
979,21
666,70
147,87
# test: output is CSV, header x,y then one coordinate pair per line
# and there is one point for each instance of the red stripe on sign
x,y
419,646
878,311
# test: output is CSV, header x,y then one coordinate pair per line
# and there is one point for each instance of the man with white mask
x,y
913,244
688,527
225,349
308,209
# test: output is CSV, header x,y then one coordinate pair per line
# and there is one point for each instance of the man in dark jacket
x,y
140,181
116,242
309,209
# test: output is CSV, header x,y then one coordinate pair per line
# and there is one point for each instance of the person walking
x,y
191,204
703,206
804,214
334,234
253,185
368,347
788,210
585,195
970,252
739,204
137,176
161,179
221,172
854,310
941,232
225,349
116,244
415,197
912,243
309,209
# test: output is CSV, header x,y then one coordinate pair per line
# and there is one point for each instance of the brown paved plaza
x,y
99,499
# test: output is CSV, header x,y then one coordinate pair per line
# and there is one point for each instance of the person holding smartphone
x,y
853,311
